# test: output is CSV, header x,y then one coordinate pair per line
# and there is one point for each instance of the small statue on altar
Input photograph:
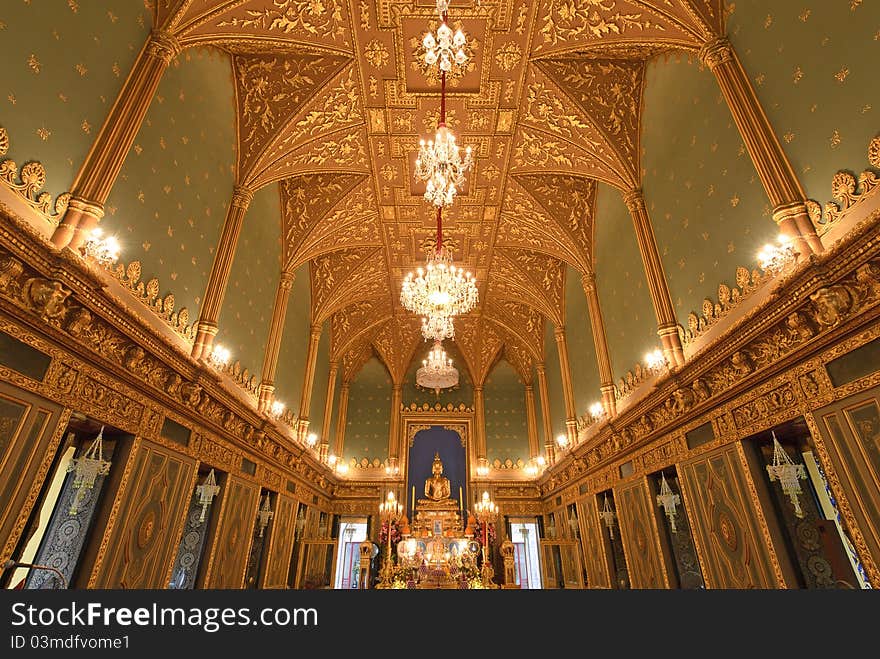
x,y
437,486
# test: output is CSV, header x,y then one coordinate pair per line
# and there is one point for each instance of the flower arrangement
x,y
395,536
478,533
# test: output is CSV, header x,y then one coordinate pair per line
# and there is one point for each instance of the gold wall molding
x,y
28,182
847,192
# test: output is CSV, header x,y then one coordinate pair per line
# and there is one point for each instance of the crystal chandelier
x,y
775,258
86,470
206,493
788,474
440,163
608,515
437,371
437,327
668,500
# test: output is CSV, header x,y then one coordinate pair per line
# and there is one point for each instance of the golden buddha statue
x,y
437,486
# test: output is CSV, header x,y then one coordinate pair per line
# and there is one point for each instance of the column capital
x,y
529,388
241,197
478,387
717,51
559,333
588,281
315,331
396,387
345,386
163,46
634,200
334,364
86,207
539,367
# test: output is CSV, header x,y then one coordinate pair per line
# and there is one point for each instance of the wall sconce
x,y
277,409
219,357
562,442
655,361
312,439
264,515
596,411
776,258
341,468
86,470
608,515
483,468
332,460
668,500
788,474
104,250
206,493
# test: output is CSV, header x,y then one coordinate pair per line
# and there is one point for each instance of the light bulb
x,y
428,42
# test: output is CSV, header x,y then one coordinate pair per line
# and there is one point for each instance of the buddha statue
x,y
437,486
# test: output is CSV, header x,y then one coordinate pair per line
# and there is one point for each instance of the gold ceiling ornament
x,y
437,371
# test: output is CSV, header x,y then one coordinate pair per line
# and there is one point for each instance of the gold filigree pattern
x,y
28,182
317,20
345,276
396,343
846,192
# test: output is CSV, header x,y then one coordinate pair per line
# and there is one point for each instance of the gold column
x,y
567,391
206,328
308,381
480,425
775,171
273,343
328,408
532,422
549,449
597,325
98,172
667,328
341,419
394,425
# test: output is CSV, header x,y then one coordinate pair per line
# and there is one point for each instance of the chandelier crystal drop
x,y
788,473
440,289
441,165
437,328
446,50
437,371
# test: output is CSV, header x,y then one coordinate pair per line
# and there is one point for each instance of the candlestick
x,y
412,503
460,501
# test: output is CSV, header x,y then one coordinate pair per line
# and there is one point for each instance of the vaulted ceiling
x,y
332,99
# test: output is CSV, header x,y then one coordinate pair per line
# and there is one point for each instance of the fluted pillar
x,y
778,177
394,425
480,425
101,167
567,390
341,419
549,447
308,381
212,303
667,328
273,343
328,407
597,325
532,422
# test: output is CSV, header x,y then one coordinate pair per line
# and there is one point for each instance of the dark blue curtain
x,y
421,456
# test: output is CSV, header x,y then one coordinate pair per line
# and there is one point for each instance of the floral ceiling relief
x,y
396,342
356,323
345,276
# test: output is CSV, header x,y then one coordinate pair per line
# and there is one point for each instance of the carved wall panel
x,y
30,429
850,434
638,528
141,540
280,544
734,545
232,542
596,558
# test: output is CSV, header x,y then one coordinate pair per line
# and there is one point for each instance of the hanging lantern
x,y
608,515
206,493
86,470
788,474
668,500
264,515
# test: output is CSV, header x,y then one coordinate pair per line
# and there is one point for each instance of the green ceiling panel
x,y
250,295
581,349
630,323
813,66
64,64
294,342
169,202
507,436
463,393
554,381
706,203
369,414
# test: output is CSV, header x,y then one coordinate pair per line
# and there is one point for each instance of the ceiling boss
x,y
441,290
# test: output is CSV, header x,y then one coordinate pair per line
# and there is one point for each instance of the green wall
x,y
294,342
581,349
319,387
63,66
369,414
464,393
554,382
630,323
250,296
813,64
170,200
506,427
707,206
